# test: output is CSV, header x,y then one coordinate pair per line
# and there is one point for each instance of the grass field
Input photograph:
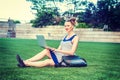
x,y
103,61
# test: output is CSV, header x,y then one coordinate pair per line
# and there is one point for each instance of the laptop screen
x,y
41,41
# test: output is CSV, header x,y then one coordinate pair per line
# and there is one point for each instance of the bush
x,y
82,25
17,22
62,22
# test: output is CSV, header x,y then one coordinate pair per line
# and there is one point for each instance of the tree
x,y
44,15
43,18
38,5
108,13
89,16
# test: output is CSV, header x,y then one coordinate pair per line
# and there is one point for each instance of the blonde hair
x,y
72,20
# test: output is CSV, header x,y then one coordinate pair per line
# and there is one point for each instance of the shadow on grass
x,y
7,63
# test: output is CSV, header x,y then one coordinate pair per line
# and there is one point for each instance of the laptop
x,y
42,42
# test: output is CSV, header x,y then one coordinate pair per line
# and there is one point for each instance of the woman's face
x,y
68,27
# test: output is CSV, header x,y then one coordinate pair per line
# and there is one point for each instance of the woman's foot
x,y
22,66
20,61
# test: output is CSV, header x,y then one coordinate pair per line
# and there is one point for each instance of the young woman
x,y
67,46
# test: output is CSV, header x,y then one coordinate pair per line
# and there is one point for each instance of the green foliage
x,y
61,22
80,17
106,13
103,61
37,4
44,15
89,15
31,21
82,25
43,18
17,22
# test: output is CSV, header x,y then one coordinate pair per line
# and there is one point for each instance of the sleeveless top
x,y
66,44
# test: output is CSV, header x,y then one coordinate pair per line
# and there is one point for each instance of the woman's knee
x,y
50,62
46,50
47,53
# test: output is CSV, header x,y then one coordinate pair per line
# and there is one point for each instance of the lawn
x,y
103,61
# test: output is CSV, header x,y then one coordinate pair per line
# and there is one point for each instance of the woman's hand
x,y
53,49
49,48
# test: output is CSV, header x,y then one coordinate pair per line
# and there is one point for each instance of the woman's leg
x,y
40,55
47,62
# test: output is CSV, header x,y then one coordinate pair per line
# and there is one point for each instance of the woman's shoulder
x,y
76,38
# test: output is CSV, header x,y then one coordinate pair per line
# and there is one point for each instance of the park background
x,y
98,29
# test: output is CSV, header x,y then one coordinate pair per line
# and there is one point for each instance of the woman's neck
x,y
70,33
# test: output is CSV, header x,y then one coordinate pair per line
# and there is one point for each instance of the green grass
x,y
103,61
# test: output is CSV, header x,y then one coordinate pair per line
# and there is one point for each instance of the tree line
x,y
104,12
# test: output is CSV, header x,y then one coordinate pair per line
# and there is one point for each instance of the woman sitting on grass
x,y
67,46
